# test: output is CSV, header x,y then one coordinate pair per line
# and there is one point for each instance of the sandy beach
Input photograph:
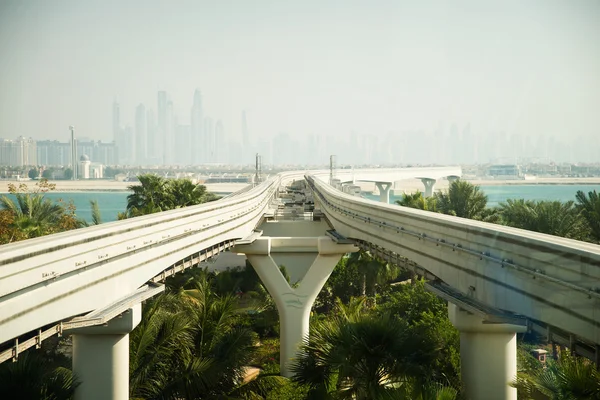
x,y
113,186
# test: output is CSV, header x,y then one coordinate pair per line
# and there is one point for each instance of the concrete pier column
x,y
101,357
488,356
294,304
429,184
384,191
452,178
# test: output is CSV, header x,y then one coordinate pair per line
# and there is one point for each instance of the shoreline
x,y
111,186
409,185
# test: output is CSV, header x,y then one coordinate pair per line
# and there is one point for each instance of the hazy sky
x,y
298,66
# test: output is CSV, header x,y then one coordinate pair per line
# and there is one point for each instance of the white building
x,y
84,167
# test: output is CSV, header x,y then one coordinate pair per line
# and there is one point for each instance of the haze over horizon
x,y
324,68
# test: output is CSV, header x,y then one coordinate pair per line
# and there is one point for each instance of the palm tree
x,y
590,209
156,194
189,345
33,378
568,378
33,214
353,355
185,193
96,216
463,199
550,217
418,201
150,196
374,271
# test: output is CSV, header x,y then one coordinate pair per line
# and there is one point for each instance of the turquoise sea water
x,y
111,203
499,193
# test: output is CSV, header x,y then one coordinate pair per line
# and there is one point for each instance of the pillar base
x,y
101,358
488,355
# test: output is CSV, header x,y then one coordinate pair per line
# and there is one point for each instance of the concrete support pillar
x,y
452,178
429,184
384,191
101,357
488,356
293,304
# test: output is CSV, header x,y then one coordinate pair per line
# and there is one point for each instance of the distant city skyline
x,y
326,70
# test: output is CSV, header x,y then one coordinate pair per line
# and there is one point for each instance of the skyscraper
x,y
118,136
151,138
141,124
169,137
197,122
161,131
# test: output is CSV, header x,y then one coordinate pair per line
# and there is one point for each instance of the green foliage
x,y
47,174
191,345
33,173
96,216
156,194
418,201
426,316
550,217
68,174
32,378
568,378
32,214
357,355
463,199
111,172
589,206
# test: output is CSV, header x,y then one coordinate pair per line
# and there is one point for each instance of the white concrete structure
x,y
84,167
488,354
429,186
101,357
544,278
96,171
294,304
384,191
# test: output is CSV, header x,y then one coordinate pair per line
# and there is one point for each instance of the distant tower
x,y
141,135
332,168
258,169
161,132
197,120
73,152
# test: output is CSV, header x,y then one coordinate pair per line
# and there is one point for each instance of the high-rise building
x,y
161,131
197,128
18,153
169,137
151,138
182,143
141,124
